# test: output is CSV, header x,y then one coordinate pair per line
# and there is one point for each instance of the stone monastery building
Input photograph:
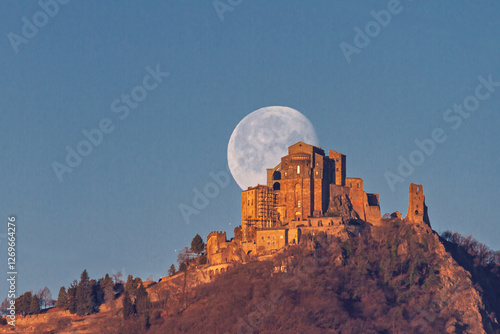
x,y
307,193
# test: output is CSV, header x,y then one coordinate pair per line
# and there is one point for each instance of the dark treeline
x,y
85,297
29,302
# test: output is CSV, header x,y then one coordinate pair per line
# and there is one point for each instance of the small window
x,y
298,169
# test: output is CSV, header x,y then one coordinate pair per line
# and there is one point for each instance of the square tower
x,y
417,210
258,210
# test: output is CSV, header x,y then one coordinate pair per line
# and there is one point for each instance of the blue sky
x,y
118,210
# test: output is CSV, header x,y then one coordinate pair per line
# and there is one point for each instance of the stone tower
x,y
258,210
417,210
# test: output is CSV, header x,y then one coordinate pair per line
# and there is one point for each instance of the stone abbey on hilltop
x,y
307,193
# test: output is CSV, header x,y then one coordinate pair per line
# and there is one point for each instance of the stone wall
x,y
216,244
270,240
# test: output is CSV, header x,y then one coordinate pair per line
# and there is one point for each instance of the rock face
x,y
459,293
340,205
456,293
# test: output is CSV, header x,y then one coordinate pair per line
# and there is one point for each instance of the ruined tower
x,y
417,210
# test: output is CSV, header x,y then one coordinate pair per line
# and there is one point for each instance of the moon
x,y
261,139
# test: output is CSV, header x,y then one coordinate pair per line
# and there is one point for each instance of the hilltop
x,y
394,278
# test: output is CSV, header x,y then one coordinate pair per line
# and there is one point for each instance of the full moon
x,y
260,140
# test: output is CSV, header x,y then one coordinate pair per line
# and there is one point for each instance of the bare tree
x,y
184,257
45,297
117,277
4,306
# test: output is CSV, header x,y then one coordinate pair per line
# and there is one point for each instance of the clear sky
x,y
118,210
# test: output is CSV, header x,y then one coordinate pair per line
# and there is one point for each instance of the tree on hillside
x,y
45,297
23,303
109,293
62,299
34,305
183,267
183,258
84,295
132,284
128,307
171,271
197,244
142,303
4,306
117,277
98,293
71,297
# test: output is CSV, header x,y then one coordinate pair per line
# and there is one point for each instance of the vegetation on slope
x,y
397,278
394,282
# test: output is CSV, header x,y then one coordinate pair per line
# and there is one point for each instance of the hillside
x,y
393,279
399,277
